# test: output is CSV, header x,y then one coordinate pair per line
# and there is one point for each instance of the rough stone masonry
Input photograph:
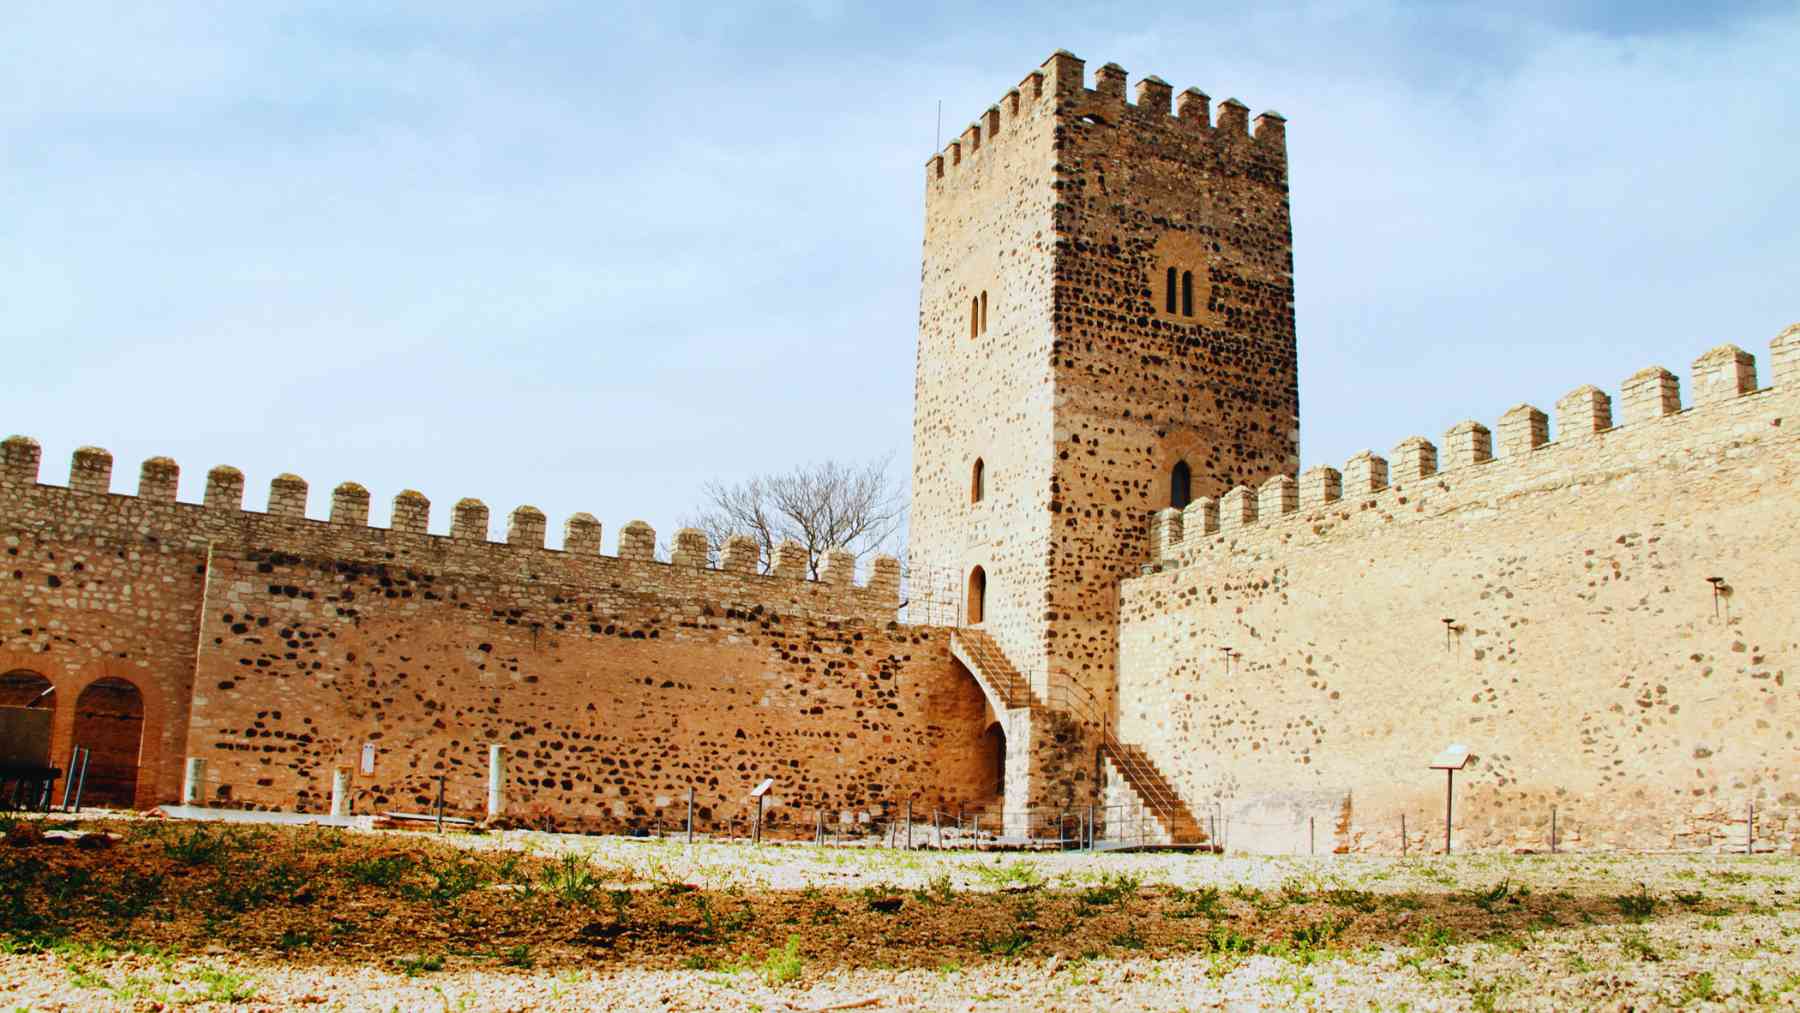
x,y
1157,610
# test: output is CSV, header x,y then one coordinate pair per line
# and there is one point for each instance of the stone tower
x,y
1106,321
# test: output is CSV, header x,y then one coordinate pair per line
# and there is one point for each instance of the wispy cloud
x,y
590,257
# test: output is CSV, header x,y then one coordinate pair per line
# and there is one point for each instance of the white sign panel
x,y
368,764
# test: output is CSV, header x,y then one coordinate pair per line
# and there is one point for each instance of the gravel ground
x,y
1000,932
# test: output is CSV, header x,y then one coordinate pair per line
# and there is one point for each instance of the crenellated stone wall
x,y
1550,608
276,647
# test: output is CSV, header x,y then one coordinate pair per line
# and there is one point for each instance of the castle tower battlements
x,y
1105,323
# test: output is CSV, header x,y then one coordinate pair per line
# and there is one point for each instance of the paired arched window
x,y
1178,291
977,598
1181,485
977,481
978,314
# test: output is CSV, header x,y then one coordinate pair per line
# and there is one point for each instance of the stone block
x,y
1320,485
1468,442
1650,393
159,479
1584,411
350,505
1523,429
1723,373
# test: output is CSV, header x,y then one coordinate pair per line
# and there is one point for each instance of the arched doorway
x,y
977,597
109,720
26,689
993,757
28,699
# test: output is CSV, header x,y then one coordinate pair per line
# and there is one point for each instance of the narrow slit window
x,y
1187,293
974,317
977,481
984,312
1181,486
977,603
1169,290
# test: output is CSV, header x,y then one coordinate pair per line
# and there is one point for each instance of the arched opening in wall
x,y
976,602
28,699
977,481
974,316
984,312
1181,485
26,689
1187,293
1169,292
993,758
109,721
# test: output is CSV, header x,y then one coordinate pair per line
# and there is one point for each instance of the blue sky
x,y
589,258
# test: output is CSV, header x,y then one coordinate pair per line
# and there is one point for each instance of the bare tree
x,y
824,506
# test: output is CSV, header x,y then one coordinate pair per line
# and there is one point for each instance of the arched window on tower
x,y
1181,485
977,481
984,312
974,316
1169,292
977,600
1187,293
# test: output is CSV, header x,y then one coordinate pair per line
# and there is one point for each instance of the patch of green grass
x,y
1010,944
380,871
573,879
518,956
1201,903
1636,906
783,965
1114,889
227,986
1016,875
195,845
1129,939
1699,988
1492,897
412,965
1637,944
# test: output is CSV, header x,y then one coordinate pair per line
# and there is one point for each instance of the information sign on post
x,y
1450,761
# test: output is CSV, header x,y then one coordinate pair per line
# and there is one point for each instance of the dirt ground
x,y
151,914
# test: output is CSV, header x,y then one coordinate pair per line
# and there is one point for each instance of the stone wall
x,y
1307,649
615,682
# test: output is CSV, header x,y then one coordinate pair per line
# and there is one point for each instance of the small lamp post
x,y
1450,761
1715,582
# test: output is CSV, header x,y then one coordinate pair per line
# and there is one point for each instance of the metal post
x,y
756,831
1090,826
440,804
1749,828
1449,798
909,824
82,783
1312,835
690,825
1553,830
1402,835
937,832
819,832
69,777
